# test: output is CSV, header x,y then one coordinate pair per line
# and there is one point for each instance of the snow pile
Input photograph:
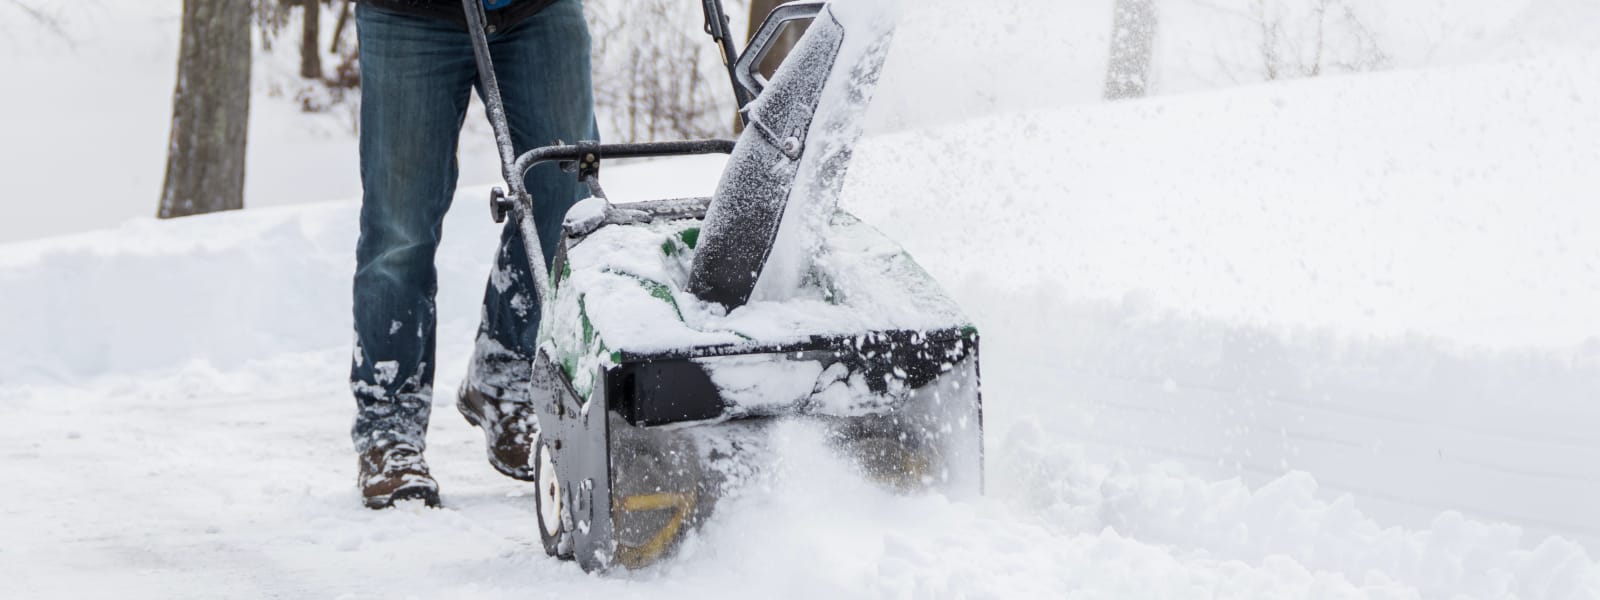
x,y
1394,296
1326,204
242,286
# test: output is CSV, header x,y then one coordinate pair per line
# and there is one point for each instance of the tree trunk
x,y
210,110
1133,37
338,25
310,52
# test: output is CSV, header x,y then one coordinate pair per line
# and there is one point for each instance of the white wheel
x,y
548,499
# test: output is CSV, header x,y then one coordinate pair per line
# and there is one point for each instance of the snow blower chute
x,y
675,332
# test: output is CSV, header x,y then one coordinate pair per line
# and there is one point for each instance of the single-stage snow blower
x,y
675,332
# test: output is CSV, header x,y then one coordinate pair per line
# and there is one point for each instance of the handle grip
x,y
748,68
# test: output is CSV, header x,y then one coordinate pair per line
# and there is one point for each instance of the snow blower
x,y
676,332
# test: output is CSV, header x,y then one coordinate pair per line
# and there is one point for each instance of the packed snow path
x,y
1345,350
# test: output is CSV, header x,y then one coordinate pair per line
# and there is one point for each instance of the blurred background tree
x,y
1133,38
43,18
1307,38
657,76
210,110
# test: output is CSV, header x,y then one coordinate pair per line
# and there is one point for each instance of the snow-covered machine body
x,y
676,332
652,405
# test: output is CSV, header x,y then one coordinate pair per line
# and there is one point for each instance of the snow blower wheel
x,y
547,502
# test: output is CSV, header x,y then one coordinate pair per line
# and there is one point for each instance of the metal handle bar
x,y
491,94
717,27
586,156
577,152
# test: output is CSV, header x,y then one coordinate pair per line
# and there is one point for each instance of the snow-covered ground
x,y
1327,338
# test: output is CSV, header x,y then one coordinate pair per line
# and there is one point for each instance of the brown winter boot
x,y
508,429
396,472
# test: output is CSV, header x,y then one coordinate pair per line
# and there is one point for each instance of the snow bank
x,y
1387,204
1396,296
227,288
232,287
955,59
1333,338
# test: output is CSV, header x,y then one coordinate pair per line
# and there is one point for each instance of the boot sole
x,y
429,498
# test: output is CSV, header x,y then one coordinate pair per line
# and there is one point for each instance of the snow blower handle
x,y
747,70
517,202
476,28
744,70
717,28
584,157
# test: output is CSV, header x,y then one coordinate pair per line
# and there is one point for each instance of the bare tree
x,y
1133,38
310,50
46,20
338,26
272,17
1306,38
210,110
657,76
315,89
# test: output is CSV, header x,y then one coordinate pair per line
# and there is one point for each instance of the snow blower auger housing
x,y
677,332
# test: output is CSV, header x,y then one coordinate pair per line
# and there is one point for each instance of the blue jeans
x,y
416,77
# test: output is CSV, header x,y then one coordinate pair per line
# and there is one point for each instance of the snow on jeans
x,y
416,77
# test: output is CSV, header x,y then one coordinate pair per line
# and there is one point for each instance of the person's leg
x,y
542,65
416,81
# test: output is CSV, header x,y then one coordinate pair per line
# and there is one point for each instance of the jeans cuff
x,y
498,372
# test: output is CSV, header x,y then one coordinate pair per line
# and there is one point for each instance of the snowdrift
x,y
1332,338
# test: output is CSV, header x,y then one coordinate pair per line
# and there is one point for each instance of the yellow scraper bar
x,y
681,504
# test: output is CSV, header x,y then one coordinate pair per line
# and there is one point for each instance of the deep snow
x,y
1328,338
1270,367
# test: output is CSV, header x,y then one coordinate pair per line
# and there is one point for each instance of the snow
x,y
1325,338
1396,297
96,145
835,125
756,385
1325,204
876,287
586,214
